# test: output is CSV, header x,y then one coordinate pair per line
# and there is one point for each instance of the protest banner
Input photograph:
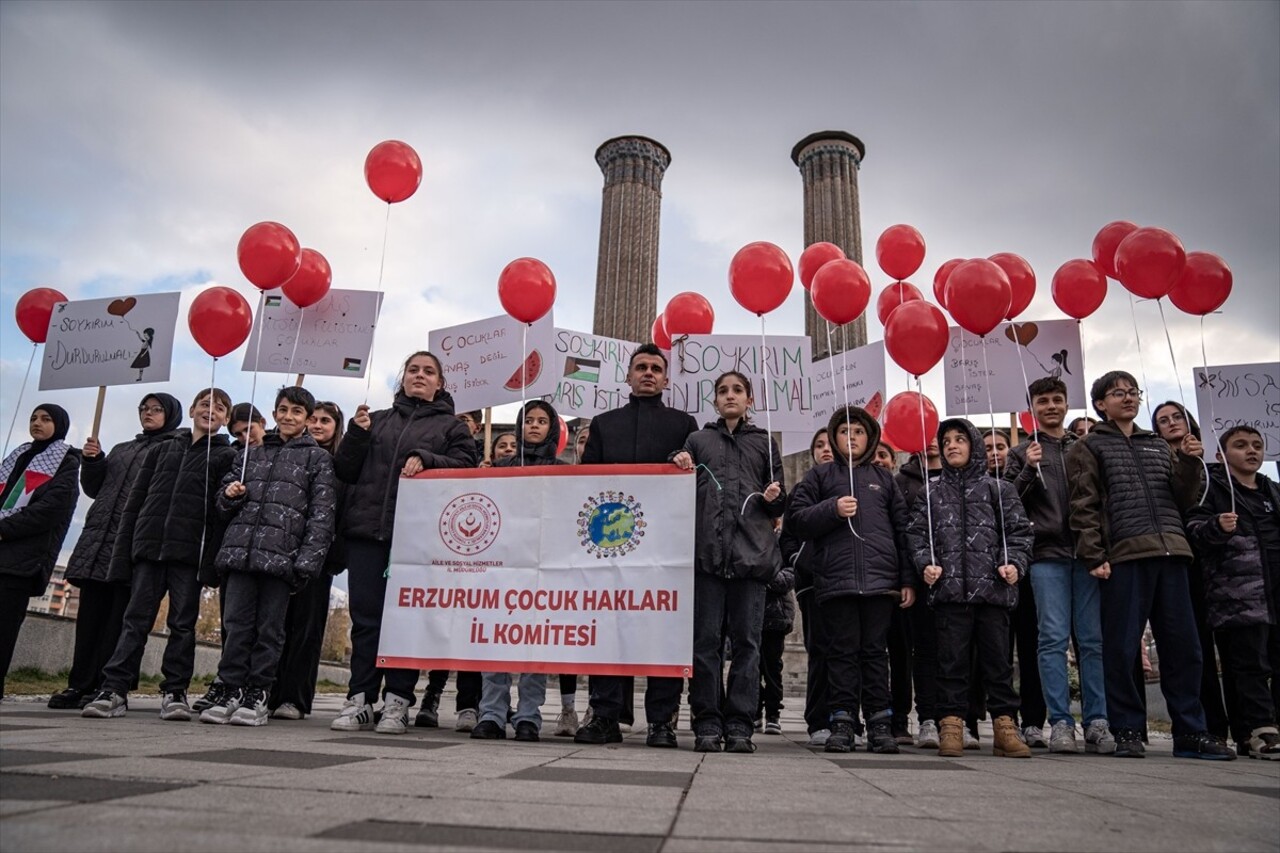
x,y
590,373
1233,394
863,376
333,337
113,341
1048,348
482,365
585,568
699,359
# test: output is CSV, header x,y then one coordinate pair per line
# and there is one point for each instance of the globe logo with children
x,y
610,524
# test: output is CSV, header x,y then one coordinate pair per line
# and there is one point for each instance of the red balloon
x,y
978,294
1027,421
905,428
658,334
760,277
526,289
1022,281
220,320
814,258
1149,262
393,171
1079,287
34,311
269,255
893,296
940,280
688,313
916,336
1204,285
900,251
564,437
1107,241
840,291
311,282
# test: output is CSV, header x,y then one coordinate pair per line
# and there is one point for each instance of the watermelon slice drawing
x,y
527,373
874,405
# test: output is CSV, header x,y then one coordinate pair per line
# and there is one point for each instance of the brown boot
x,y
951,737
1007,743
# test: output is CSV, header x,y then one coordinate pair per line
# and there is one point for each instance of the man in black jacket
x,y
645,430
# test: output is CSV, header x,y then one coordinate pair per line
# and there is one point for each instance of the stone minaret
x,y
829,162
627,271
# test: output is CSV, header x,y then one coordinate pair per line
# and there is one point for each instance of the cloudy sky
x,y
138,141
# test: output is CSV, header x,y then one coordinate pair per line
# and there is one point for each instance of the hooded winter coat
x,y
282,525
370,460
734,535
107,478
1238,582
867,553
910,480
976,519
1045,495
542,453
779,606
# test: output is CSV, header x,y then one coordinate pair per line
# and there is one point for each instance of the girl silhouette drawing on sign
x,y
143,359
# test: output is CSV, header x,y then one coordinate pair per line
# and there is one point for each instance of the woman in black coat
x,y
37,498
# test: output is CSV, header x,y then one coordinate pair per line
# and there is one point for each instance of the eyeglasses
x,y
1175,418
1125,393
151,410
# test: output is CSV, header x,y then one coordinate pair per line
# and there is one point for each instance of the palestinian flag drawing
x,y
352,365
582,369
274,301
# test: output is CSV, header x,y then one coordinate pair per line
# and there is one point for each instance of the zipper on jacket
x,y
395,454
1066,501
1146,489
271,475
859,558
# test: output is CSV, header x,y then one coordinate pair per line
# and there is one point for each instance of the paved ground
x,y
136,783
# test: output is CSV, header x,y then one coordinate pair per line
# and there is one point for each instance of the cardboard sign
x,y
114,341
1234,394
787,395
482,361
334,336
1046,348
590,372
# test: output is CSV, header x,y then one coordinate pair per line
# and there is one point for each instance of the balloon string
x,y
208,451
924,467
253,389
1004,542
373,333
296,336
768,415
1213,419
1035,423
17,406
524,357
1088,407
1138,340
965,373
848,435
831,358
1182,397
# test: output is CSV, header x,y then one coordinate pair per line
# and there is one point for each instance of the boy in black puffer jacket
x,y
281,508
779,618
972,542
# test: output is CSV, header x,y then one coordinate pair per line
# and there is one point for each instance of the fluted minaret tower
x,y
627,271
829,162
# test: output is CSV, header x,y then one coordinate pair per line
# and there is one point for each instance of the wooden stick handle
x,y
298,382
97,410
488,433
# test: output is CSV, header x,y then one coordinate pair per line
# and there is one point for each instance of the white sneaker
x,y
819,738
970,740
927,736
288,711
106,704
395,716
356,716
567,723
1062,738
1098,738
173,706
253,709
467,720
219,713
1033,736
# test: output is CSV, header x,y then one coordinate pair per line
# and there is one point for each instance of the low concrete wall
x,y
48,642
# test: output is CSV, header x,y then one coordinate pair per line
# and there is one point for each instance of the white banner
x,y
788,395
1046,348
1234,394
120,341
334,336
590,373
482,361
585,569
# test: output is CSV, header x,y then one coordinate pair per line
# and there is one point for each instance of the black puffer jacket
x,y
865,554
542,453
31,538
779,606
172,506
1236,578
910,481
970,510
645,430
370,460
797,555
734,535
282,525
1128,494
107,478
1045,495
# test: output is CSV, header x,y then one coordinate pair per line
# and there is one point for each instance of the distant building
x,y
60,597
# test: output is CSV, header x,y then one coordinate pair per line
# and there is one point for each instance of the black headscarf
x,y
542,453
61,426
172,413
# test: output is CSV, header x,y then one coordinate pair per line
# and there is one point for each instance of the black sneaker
x,y
429,714
661,735
880,737
706,743
740,743
902,732
489,730
215,695
67,699
1202,745
599,731
526,731
1129,744
841,739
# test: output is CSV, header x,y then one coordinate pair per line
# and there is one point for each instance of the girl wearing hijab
x,y
106,478
37,498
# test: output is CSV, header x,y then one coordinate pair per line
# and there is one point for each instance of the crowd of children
x,y
922,582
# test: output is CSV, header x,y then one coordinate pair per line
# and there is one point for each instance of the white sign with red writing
x,y
585,569
497,360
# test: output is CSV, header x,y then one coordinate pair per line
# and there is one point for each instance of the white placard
x,y
1049,348
788,394
590,373
862,372
114,341
1234,394
334,336
585,568
482,361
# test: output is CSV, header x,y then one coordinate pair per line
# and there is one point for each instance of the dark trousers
x,y
98,624
568,685
1251,654
900,665
1025,640
816,713
1154,590
304,622
858,657
613,698
254,619
772,644
1217,694
732,608
14,598
367,563
961,628
924,659
469,686
151,582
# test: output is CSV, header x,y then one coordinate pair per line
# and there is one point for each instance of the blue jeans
x,y
495,697
1067,594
